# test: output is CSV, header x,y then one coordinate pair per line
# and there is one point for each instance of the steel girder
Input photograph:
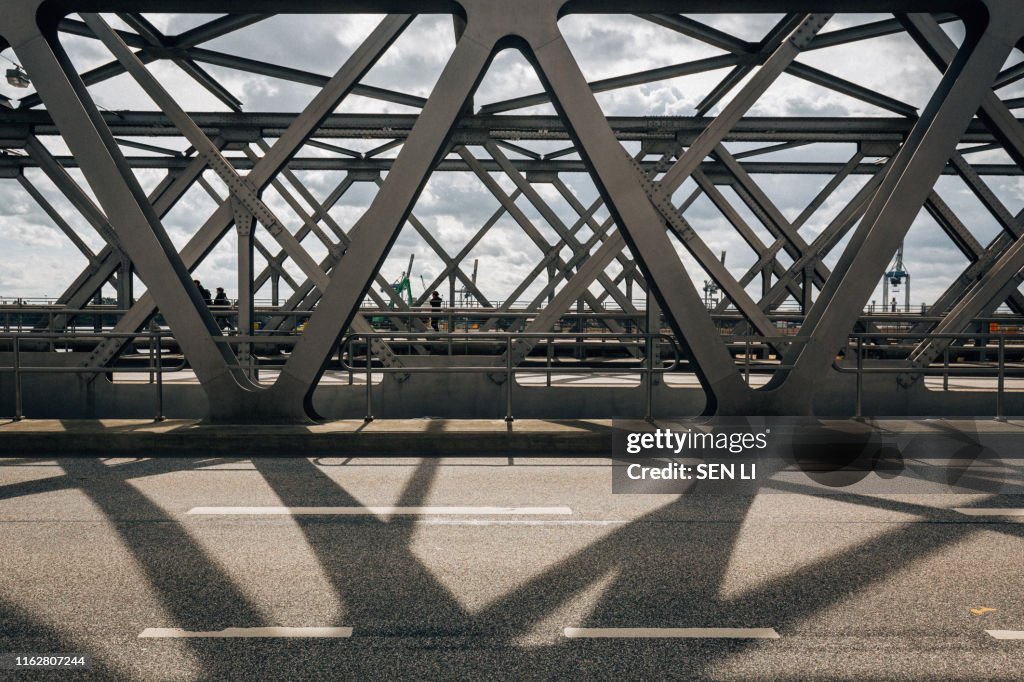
x,y
637,193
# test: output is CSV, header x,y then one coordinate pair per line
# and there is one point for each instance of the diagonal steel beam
x,y
628,80
791,273
132,217
641,227
824,243
758,54
890,213
454,266
321,213
551,252
163,198
977,279
230,61
464,253
993,285
212,30
376,231
151,34
707,34
240,188
283,149
58,220
550,217
981,258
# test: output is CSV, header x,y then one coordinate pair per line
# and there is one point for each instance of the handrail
x,y
649,341
155,368
647,372
999,371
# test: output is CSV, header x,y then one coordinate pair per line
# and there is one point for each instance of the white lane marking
x,y
685,633
382,511
989,511
521,522
177,633
1006,634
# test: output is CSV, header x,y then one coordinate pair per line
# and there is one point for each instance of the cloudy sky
x,y
38,261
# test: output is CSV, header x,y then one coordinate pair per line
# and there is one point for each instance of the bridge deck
x,y
98,552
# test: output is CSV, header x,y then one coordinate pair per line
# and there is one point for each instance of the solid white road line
x,y
988,511
684,633
177,633
1006,634
381,511
523,522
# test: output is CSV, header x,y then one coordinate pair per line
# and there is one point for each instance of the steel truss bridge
x,y
615,278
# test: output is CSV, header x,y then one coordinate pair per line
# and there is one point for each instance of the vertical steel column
x,y
246,318
125,293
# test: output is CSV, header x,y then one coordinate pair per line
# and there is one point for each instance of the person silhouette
x,y
435,304
203,292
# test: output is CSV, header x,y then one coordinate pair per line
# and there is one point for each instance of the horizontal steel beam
x,y
452,7
717,172
15,123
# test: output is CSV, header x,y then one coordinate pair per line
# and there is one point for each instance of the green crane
x,y
401,286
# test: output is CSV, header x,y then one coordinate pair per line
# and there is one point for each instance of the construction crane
x,y
711,290
401,286
896,277
464,292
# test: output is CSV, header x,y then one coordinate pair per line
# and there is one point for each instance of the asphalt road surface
x,y
493,569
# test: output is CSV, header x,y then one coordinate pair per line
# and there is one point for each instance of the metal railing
x,y
651,343
155,367
654,345
859,348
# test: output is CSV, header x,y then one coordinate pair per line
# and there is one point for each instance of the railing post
x,y
1000,407
369,384
551,350
746,361
508,379
649,366
351,371
18,412
860,378
945,368
159,379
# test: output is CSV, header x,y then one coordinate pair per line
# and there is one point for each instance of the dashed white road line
x,y
177,633
382,511
679,633
1006,634
989,511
